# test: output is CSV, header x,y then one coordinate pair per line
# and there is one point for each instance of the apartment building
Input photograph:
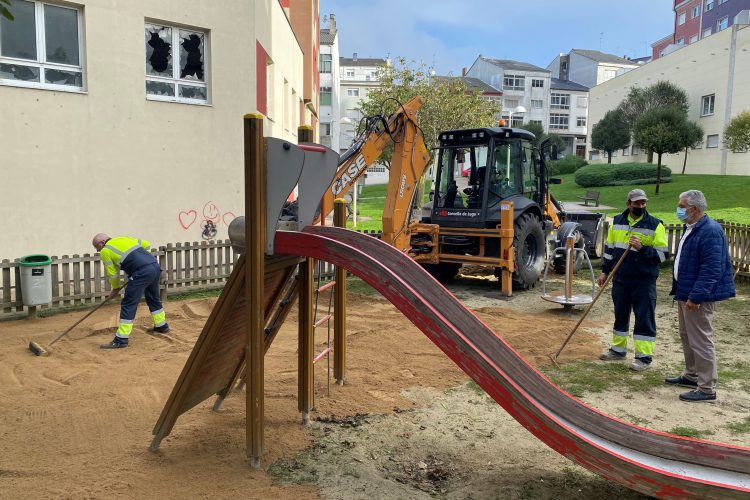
x,y
127,119
715,73
568,115
330,113
523,85
698,19
357,77
589,67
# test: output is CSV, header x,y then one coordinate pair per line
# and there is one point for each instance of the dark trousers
x,y
638,298
144,280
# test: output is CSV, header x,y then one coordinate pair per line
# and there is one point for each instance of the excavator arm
x,y
409,161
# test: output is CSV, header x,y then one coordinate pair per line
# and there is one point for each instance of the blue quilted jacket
x,y
705,273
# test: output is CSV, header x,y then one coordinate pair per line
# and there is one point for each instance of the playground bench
x,y
590,196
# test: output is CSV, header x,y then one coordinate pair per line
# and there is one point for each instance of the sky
x,y
448,35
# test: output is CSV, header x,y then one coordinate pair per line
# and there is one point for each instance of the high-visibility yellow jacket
x,y
126,253
641,264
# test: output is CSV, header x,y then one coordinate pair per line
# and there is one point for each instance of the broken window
x,y
175,64
41,46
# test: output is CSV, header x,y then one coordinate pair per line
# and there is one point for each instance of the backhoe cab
x,y
477,172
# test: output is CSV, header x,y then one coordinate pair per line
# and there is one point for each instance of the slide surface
x,y
651,462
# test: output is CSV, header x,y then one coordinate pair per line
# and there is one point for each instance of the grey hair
x,y
695,198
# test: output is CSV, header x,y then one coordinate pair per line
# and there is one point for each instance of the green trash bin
x,y
36,279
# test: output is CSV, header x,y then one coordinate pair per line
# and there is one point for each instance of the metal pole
x,y
339,304
255,231
306,337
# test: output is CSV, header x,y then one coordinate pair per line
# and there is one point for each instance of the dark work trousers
x,y
638,297
144,279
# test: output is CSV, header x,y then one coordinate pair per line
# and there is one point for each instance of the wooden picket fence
x,y
79,280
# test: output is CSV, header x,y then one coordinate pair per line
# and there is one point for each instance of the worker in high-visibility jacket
x,y
634,283
132,256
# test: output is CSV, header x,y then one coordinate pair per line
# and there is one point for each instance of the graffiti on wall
x,y
210,219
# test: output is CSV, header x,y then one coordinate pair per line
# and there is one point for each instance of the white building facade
x,y
127,119
330,87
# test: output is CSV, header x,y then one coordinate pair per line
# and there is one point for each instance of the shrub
x,y
567,165
620,174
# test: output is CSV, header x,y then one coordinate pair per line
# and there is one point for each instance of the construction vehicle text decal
x,y
458,213
351,173
402,186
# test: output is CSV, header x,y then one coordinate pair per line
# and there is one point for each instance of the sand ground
x,y
407,424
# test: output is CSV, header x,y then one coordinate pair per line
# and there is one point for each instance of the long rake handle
x,y
588,309
742,260
81,320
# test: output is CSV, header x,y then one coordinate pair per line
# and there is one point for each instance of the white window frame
x,y
709,5
708,103
352,92
559,101
176,66
707,32
326,63
538,122
514,82
693,38
681,41
537,83
41,47
510,103
712,141
609,74
723,1
580,121
720,22
349,73
626,151
681,18
635,150
537,103
696,11
559,121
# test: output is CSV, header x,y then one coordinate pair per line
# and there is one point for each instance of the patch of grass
x,y
587,376
742,427
736,371
690,432
356,285
292,471
726,195
198,294
633,419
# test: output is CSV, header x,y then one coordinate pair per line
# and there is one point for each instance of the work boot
x,y
159,329
610,355
117,343
639,366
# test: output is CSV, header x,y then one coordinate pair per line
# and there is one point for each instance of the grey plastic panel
x,y
284,165
316,177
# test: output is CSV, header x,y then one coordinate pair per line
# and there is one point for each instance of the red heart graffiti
x,y
228,217
187,218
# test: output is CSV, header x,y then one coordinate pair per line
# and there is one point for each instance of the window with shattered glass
x,y
176,64
41,46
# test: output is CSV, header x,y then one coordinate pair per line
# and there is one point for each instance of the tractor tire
x,y
445,271
528,245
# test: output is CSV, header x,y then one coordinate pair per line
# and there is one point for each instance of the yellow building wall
x,y
701,68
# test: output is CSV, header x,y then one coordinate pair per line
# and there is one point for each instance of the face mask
x,y
636,211
682,214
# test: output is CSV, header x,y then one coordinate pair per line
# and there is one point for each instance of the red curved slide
x,y
651,462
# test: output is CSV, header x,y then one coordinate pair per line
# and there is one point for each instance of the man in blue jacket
x,y
702,277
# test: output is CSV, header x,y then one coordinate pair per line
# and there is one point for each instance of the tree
x,y
611,133
692,138
663,94
539,136
4,12
661,130
737,133
448,105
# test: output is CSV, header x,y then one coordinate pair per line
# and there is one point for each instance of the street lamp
x,y
517,109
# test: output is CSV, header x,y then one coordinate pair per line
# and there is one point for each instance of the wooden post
x,y
506,247
339,303
305,352
255,236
